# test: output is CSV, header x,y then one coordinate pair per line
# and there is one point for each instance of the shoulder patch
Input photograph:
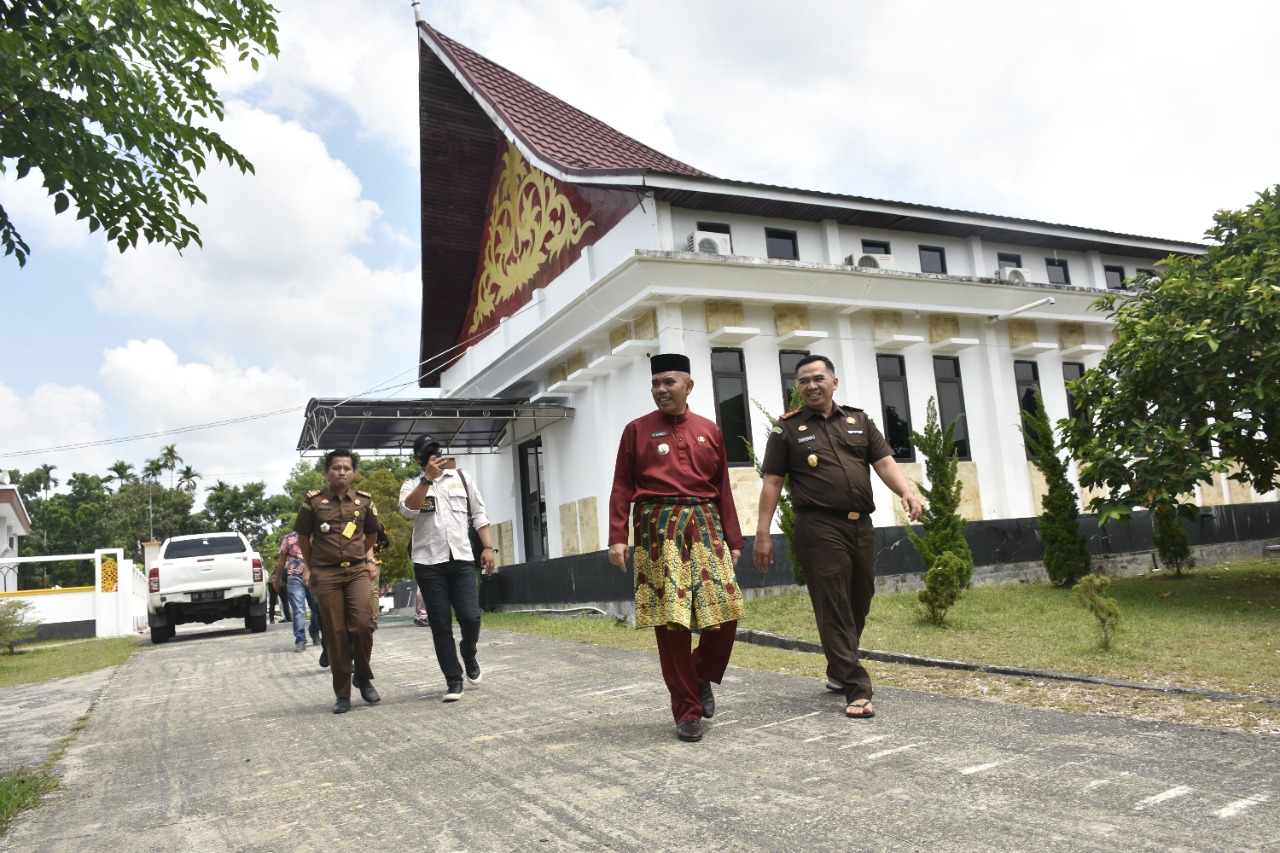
x,y
312,494
851,408
363,494
790,413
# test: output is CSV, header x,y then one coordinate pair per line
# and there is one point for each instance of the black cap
x,y
424,443
664,361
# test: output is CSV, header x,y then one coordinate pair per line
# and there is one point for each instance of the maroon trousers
x,y
684,668
342,595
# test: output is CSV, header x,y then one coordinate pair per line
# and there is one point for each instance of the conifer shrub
x,y
943,586
941,519
1173,548
1066,550
1091,590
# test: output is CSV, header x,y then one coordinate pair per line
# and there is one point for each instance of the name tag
x,y
662,434
855,432
806,438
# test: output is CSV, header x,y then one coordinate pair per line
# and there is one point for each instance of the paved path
x,y
224,740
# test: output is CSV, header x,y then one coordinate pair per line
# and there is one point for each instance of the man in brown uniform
x,y
337,528
828,450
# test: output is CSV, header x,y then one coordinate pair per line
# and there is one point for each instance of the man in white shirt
x,y
442,502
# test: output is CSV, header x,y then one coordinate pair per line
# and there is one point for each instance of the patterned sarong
x,y
683,567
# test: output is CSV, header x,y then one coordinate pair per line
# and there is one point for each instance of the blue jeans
x,y
299,600
445,586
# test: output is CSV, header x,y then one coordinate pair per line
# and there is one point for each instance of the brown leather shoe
x,y
689,730
708,699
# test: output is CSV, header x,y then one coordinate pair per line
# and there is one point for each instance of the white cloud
x,y
52,416
277,280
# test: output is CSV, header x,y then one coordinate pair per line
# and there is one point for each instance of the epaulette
x,y
851,408
312,494
363,494
790,413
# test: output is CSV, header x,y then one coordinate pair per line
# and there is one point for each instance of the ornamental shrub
x,y
941,520
1066,550
1091,590
943,586
14,627
1170,538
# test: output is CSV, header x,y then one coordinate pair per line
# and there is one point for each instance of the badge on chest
x,y
428,504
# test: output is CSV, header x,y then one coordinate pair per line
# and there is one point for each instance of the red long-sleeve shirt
x,y
664,456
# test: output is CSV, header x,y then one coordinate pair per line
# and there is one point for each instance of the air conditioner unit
x,y
710,243
1016,275
883,262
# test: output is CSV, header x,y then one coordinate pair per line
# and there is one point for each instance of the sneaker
x,y
299,646
473,671
454,693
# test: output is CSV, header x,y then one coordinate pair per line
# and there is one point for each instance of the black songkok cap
x,y
664,361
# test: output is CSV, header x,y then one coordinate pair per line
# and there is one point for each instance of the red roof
x,y
561,135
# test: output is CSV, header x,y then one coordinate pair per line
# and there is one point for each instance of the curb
x,y
764,638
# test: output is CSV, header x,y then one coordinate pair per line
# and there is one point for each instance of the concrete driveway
x,y
224,740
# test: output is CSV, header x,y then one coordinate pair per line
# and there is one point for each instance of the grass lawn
x,y
44,661
1216,628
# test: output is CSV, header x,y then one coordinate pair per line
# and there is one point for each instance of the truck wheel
x,y
256,624
161,634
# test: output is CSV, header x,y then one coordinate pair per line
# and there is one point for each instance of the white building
x,y
14,522
558,253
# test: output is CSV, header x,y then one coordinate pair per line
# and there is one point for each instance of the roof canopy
x,y
471,426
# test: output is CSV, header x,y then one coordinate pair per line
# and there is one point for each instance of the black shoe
x,y
690,731
473,671
708,699
367,693
324,658
342,706
454,693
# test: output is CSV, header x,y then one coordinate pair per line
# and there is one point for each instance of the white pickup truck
x,y
204,578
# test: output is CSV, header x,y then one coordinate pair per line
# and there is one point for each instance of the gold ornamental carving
x,y
530,223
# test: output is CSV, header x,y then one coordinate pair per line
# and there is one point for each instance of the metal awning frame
x,y
462,426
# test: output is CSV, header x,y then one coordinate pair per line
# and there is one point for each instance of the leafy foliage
x,y
1066,551
1170,538
14,626
246,509
786,510
110,101
943,585
941,520
1191,386
1091,590
384,485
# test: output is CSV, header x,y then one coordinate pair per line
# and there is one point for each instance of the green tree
x,y
1066,550
188,478
66,523
45,479
305,477
943,525
1191,386
1173,547
169,460
142,512
14,625
246,509
943,585
120,472
385,488
111,102
151,470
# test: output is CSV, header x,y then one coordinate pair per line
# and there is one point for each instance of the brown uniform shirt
x,y
828,459
336,526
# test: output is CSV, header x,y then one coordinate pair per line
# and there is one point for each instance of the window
x,y
787,361
893,397
1144,273
1026,375
781,244
1072,371
1115,277
1008,259
933,259
1058,273
875,247
713,227
946,371
729,383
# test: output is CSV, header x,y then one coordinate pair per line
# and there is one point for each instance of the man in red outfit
x,y
672,467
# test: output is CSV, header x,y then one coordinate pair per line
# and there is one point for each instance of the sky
x,y
1137,117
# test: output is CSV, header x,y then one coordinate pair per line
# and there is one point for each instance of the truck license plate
x,y
209,595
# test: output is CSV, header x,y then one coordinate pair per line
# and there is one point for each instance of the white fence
x,y
115,605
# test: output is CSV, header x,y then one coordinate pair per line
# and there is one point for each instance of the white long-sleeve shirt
x,y
440,535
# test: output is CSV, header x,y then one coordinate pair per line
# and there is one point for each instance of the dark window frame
x,y
1051,264
964,446
1008,259
735,442
1073,411
942,259
1023,388
713,228
1108,270
889,427
775,235
876,247
788,374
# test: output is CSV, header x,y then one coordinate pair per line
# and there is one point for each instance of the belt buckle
x,y
854,516
344,565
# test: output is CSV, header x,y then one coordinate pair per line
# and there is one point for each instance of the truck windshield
x,y
206,547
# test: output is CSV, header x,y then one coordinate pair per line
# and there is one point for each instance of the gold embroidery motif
x,y
531,223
